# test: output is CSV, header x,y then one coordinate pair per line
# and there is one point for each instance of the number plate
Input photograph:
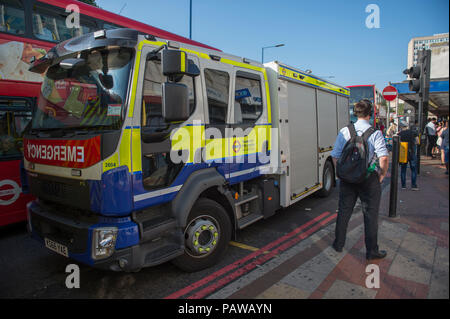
x,y
58,248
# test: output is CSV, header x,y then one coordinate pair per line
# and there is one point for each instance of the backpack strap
x,y
351,129
365,137
367,133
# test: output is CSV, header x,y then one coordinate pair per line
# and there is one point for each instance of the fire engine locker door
x,y
343,111
302,138
326,116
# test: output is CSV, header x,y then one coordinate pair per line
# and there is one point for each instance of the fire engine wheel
x,y
327,180
206,236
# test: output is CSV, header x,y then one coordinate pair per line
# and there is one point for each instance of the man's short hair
x,y
363,108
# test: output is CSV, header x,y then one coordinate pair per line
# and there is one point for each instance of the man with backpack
x,y
361,160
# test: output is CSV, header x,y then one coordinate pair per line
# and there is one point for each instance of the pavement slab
x,y
345,290
414,260
440,277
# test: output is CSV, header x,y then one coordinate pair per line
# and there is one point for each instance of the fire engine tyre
x,y
327,180
207,234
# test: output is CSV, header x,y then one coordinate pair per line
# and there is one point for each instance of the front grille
x,y
73,193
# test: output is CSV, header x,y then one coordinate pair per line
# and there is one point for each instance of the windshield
x,y
90,94
357,94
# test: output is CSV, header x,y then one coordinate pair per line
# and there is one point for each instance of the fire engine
x,y
143,150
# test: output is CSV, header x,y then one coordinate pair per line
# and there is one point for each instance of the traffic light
x,y
414,73
420,74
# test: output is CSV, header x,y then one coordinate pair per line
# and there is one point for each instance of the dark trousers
x,y
369,193
432,139
412,160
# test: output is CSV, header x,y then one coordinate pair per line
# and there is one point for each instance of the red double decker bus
x,y
370,92
28,29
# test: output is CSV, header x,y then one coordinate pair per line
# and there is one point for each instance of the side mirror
x,y
175,103
176,63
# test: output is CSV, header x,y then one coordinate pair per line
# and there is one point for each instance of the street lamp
x,y
272,46
190,19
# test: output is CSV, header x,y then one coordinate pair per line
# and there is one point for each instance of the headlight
x,y
103,242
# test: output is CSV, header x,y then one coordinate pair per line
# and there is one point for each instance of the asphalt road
x,y
29,270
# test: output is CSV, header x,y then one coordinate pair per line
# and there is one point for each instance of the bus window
x,y
14,118
12,18
53,28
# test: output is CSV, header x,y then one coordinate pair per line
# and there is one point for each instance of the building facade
x,y
439,45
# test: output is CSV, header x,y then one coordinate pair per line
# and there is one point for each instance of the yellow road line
x,y
244,246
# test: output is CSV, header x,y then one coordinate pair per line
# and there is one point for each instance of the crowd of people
x,y
437,143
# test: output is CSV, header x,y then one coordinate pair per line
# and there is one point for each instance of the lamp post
x,y
190,19
272,46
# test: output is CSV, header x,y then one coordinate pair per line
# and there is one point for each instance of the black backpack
x,y
354,161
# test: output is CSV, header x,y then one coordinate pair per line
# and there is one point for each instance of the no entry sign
x,y
390,93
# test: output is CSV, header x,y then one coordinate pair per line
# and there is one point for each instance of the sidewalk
x,y
417,264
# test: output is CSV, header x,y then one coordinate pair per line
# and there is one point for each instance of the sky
x,y
328,37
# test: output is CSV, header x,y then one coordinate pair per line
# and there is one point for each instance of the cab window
x,y
152,96
248,105
217,91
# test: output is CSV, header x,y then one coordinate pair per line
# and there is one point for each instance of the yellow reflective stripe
x,y
136,149
199,54
301,77
183,139
183,62
307,191
125,148
192,138
242,65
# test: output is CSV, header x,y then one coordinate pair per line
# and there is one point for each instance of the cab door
x,y
157,175
248,124
217,95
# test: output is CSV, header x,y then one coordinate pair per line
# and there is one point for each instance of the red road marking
x,y
242,261
241,271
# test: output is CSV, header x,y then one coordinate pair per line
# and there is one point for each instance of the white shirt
x,y
376,142
431,128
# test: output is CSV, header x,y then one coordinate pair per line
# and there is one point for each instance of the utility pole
x,y
394,176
